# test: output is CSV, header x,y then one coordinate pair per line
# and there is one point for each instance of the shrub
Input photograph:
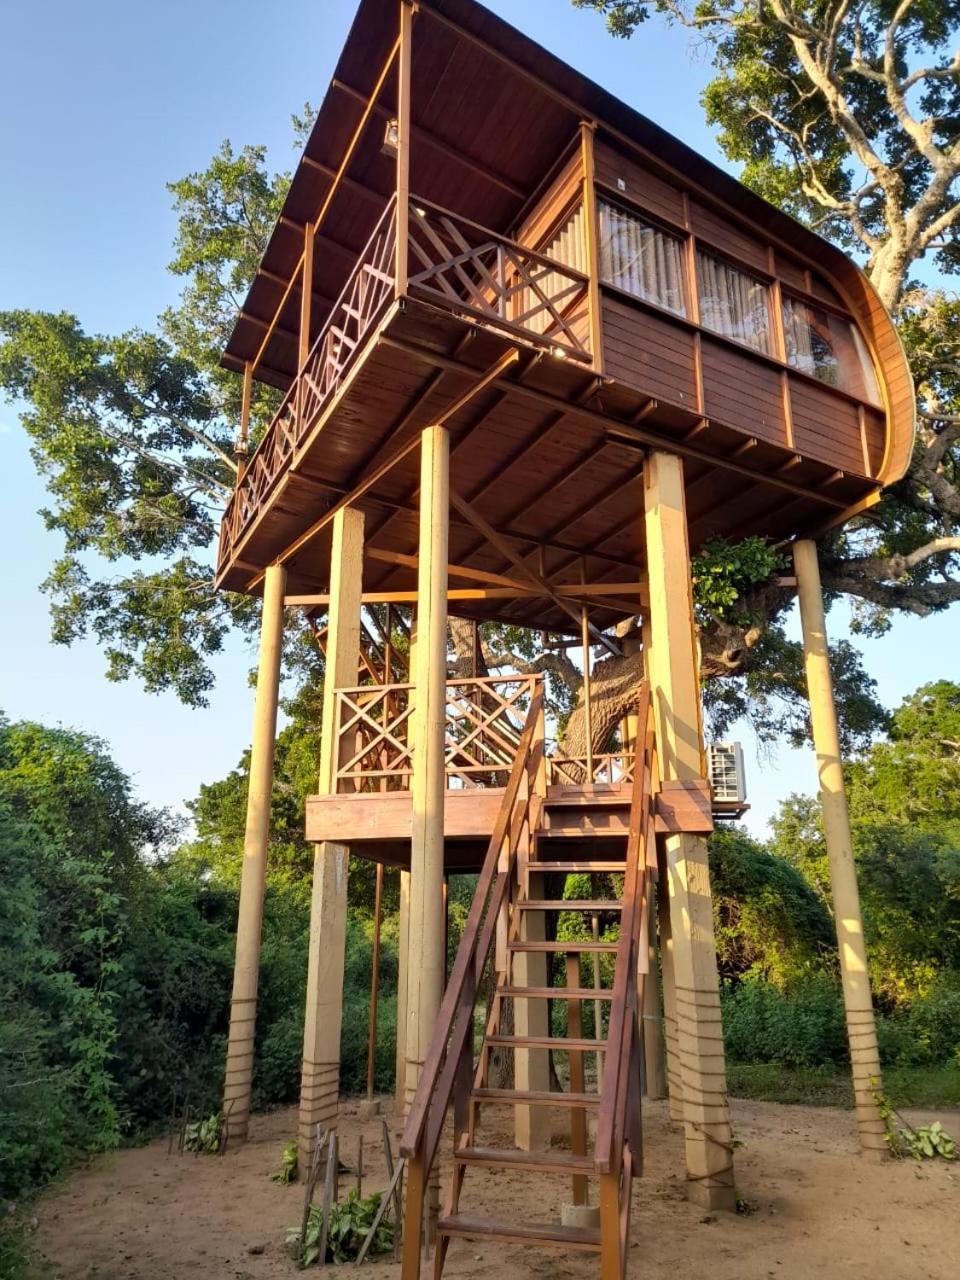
x,y
804,1028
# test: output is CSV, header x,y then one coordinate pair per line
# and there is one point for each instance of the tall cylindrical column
x,y
861,1028
425,952
684,871
246,968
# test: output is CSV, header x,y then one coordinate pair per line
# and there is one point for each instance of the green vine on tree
x,y
724,572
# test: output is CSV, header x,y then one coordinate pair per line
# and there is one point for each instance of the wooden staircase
x,y
491,954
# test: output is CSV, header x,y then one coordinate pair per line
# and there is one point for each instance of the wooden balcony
x,y
586,800
455,265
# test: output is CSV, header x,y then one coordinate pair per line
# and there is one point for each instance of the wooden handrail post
x,y
587,691
591,231
374,985
861,1028
404,131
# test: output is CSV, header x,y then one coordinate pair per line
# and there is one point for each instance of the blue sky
x,y
100,106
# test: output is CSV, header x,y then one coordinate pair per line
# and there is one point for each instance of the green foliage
x,y
348,1226
770,924
203,1137
804,1028
723,573
289,1166
929,1142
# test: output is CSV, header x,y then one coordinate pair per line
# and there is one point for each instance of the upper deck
x,y
563,285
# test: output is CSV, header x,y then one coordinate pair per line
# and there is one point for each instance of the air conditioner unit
x,y
725,770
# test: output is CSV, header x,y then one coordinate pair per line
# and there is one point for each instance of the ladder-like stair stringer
x,y
521,847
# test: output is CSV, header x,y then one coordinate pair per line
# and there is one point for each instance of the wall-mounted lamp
x,y
391,138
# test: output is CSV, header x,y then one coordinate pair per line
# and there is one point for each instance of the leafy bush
x,y
348,1226
804,1028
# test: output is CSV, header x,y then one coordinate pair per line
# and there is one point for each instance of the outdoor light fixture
x,y
391,138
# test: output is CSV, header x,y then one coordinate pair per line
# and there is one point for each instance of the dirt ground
x,y
818,1210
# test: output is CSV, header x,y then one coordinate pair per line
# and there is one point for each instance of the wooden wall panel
x,y
717,233
743,392
825,426
641,186
648,353
875,431
558,195
790,271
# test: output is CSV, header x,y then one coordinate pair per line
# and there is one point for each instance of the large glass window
x,y
732,303
829,348
641,259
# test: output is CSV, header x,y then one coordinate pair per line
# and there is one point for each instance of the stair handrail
x,y
454,1025
622,1027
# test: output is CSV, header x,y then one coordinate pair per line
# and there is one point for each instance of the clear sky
x,y
100,106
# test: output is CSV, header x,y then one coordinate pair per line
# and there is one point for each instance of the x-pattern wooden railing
x,y
612,768
484,720
351,318
486,275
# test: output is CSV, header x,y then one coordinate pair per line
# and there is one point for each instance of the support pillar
x,y
400,1084
246,968
532,1127
426,950
320,1080
861,1028
686,878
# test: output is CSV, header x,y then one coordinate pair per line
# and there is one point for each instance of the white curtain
x,y
797,335
732,303
641,259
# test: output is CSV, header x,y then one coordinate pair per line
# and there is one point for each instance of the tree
x,y
848,116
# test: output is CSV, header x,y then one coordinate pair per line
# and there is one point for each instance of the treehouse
x,y
533,353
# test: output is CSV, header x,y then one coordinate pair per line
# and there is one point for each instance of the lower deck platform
x,y
377,825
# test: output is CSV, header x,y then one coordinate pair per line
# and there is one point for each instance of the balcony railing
x,y
454,263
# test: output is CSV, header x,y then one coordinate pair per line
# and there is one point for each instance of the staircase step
x,y
535,1098
556,993
577,904
545,1042
562,948
535,1161
463,1227
591,867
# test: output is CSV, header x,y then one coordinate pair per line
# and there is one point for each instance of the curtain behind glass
x,y
641,259
731,303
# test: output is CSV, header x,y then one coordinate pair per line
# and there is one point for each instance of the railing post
x,y
591,231
404,129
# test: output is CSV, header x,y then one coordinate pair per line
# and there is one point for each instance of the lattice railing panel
x,y
351,318
484,719
474,270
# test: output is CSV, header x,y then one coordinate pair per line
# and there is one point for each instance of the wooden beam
x,y
348,184
495,540
306,295
426,138
622,431
591,232
404,121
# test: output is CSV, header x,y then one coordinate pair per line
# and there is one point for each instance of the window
x,y
828,347
732,303
641,259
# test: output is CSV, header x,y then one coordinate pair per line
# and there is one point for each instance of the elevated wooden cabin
x,y
533,353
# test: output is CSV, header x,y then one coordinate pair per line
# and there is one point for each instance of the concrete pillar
x,y
861,1028
246,968
686,878
320,1080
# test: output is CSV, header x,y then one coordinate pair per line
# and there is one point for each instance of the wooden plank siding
x,y
648,352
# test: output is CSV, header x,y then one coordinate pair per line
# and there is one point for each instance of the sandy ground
x,y
819,1210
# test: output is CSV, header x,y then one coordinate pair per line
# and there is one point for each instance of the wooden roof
x,y
493,114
